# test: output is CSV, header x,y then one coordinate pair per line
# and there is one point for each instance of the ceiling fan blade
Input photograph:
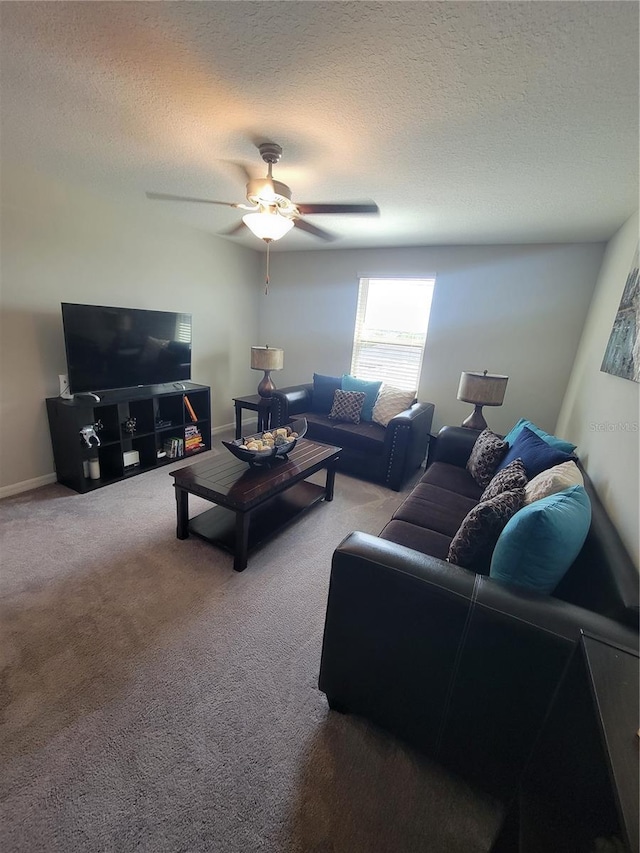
x,y
357,207
168,197
235,229
313,229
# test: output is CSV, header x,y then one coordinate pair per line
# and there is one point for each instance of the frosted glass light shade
x,y
267,226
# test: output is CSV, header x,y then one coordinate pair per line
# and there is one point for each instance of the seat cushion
x,y
419,538
453,478
435,508
365,436
319,428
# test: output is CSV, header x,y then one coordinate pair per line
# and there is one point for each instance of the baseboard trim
x,y
232,426
26,485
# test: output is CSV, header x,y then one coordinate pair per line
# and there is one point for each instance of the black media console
x,y
139,430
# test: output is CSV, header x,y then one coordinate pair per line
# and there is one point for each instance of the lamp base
x,y
267,385
475,420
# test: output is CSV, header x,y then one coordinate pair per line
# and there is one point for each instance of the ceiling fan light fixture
x,y
267,225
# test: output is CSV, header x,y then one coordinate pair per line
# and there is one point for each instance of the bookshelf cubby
x,y
160,414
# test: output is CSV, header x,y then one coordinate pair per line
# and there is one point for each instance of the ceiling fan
x,y
270,211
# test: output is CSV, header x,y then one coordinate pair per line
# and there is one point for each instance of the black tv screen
x,y
111,348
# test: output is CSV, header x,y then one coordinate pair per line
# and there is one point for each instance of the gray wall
x,y
517,310
62,243
600,411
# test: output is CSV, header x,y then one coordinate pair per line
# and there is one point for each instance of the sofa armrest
x,y
456,664
406,442
453,445
291,401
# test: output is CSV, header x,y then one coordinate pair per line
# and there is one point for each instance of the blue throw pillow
x,y
553,440
350,383
541,541
535,453
324,387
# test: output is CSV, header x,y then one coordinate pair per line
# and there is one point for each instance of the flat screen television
x,y
110,348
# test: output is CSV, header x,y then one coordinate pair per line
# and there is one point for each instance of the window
x,y
391,329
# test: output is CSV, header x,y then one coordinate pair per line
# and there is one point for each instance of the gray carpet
x,y
155,700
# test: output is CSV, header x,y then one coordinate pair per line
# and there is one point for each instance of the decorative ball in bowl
x,y
264,447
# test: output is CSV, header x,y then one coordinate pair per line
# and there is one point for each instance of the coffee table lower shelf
x,y
223,527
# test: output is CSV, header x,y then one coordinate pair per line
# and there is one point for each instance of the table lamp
x,y
481,389
267,358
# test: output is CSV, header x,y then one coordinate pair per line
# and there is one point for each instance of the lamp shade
x,y
482,389
267,225
267,358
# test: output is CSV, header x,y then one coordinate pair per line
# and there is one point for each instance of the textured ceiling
x,y
478,122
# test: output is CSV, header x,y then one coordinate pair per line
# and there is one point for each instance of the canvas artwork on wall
x,y
622,356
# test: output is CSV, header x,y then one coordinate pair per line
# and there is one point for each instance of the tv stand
x,y
161,415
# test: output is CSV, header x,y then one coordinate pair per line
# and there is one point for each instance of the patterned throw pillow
x,y
347,406
487,453
473,544
391,401
512,476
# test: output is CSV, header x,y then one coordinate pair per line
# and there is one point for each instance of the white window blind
x,y
391,330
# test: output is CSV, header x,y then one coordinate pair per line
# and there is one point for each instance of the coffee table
x,y
252,503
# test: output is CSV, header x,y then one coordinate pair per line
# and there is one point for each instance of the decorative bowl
x,y
264,457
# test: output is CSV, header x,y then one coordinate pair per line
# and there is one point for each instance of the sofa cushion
x,y
436,508
552,440
347,406
391,401
512,476
320,428
367,437
368,388
473,544
419,538
453,478
487,453
536,454
324,387
553,480
539,544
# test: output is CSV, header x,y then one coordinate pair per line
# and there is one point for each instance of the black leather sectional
x,y
459,665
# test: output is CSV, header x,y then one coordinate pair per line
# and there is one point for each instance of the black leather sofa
x,y
387,455
459,665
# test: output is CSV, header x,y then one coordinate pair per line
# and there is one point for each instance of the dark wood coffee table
x,y
252,503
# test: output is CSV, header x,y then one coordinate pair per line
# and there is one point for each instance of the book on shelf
x,y
174,447
190,409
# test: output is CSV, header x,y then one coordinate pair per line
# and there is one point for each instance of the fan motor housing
x,y
259,192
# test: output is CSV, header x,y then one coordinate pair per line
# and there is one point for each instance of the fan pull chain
x,y
266,284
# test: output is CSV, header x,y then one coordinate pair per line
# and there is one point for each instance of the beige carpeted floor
x,y
155,700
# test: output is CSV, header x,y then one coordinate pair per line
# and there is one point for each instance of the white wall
x,y
62,243
517,310
600,411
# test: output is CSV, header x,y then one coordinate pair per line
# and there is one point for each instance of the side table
x,y
254,403
582,780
